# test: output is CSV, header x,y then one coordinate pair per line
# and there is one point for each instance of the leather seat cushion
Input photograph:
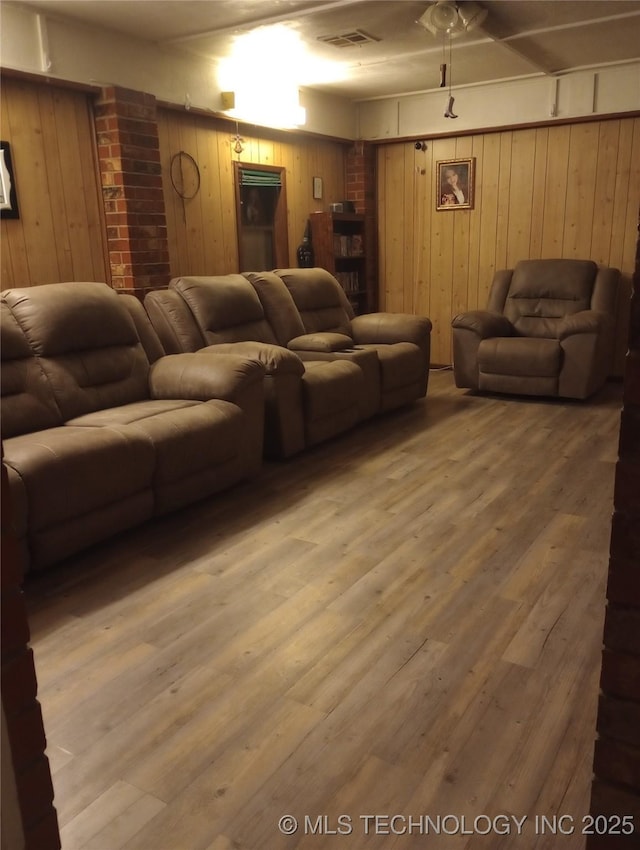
x,y
187,436
71,471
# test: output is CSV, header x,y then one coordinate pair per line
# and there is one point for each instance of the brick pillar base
x,y
129,157
361,189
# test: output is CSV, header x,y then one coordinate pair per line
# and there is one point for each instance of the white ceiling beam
x,y
572,25
510,41
264,21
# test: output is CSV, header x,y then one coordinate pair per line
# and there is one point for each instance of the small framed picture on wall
x,y
8,197
317,188
455,184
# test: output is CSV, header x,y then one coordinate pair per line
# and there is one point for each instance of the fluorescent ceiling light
x,y
265,70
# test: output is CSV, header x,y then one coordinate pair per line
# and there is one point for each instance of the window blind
x,y
253,177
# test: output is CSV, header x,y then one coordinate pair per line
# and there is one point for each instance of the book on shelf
x,y
349,281
347,246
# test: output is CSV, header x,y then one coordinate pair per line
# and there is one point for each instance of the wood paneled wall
x,y
563,191
60,233
203,233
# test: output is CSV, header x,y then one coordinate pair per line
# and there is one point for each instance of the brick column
x,y
361,189
129,158
616,783
25,767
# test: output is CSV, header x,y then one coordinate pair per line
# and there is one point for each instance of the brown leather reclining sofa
x,y
326,368
96,438
108,420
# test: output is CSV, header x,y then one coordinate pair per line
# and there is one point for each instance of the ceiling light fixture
x,y
448,18
471,15
258,80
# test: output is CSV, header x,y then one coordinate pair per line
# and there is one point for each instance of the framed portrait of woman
x,y
454,184
8,199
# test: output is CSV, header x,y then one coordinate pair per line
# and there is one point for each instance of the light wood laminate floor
x,y
405,621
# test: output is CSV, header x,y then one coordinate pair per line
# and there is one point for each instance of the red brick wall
x,y
616,783
361,189
131,177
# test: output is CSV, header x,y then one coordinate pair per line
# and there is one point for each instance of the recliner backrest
x,y
173,321
540,293
278,305
321,301
226,308
85,342
27,401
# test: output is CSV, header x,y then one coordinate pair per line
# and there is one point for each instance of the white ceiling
x,y
518,38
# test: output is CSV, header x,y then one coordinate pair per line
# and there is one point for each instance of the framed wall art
x,y
8,196
455,184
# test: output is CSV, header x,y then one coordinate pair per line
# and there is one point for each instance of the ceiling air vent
x,y
349,39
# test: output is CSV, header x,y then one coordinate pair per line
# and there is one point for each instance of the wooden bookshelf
x,y
339,246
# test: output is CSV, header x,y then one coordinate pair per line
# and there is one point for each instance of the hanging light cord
x,y
449,113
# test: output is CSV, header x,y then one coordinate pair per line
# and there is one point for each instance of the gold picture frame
x,y
455,180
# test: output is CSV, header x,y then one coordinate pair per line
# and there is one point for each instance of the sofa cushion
x,y
72,487
185,435
197,445
27,401
86,343
320,300
173,321
542,292
325,341
67,317
278,305
226,308
71,471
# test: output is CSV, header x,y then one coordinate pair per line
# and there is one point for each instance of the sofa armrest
x,y
275,359
586,321
387,328
484,323
325,342
191,376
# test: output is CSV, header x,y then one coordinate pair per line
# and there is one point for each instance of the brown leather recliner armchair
x,y
548,330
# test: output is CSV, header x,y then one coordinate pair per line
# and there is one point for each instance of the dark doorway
x,y
261,209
